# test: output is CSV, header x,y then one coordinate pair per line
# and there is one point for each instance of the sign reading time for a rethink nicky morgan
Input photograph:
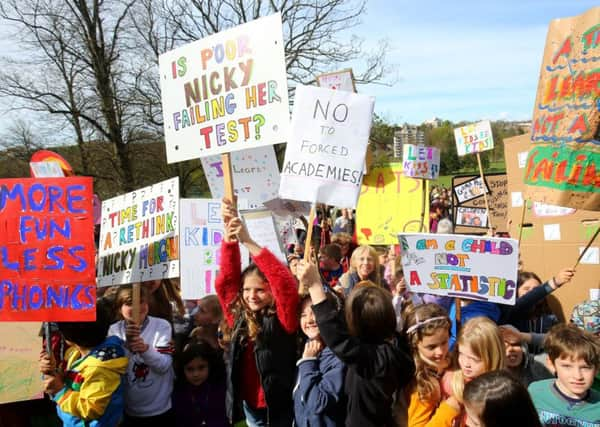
x,y
47,270
226,92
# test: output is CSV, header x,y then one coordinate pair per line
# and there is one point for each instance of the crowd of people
x,y
337,339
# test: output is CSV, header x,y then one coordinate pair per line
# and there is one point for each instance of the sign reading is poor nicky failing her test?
x,y
226,92
473,267
47,249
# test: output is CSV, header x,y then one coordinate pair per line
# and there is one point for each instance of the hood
x,y
109,355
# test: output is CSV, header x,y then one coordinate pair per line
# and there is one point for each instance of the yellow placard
x,y
389,203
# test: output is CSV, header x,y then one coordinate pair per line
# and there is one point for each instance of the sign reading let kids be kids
x,y
473,267
226,92
47,270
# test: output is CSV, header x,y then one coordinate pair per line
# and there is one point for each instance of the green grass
x,y
446,180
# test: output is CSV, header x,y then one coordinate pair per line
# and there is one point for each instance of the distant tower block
x,y
407,134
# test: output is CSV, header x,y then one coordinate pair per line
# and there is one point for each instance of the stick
x,y
309,232
522,220
136,303
423,201
227,177
485,199
457,313
586,248
48,338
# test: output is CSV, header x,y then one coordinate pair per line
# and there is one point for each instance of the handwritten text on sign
x,y
324,158
472,267
474,138
226,92
419,161
139,235
47,249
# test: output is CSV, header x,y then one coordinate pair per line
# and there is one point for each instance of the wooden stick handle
x,y
587,246
485,199
309,232
136,303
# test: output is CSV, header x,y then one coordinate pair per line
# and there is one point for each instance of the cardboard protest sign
x,y
46,170
563,165
264,231
338,80
202,232
389,203
255,175
483,269
571,230
419,161
47,249
474,138
226,92
139,235
469,205
19,369
325,155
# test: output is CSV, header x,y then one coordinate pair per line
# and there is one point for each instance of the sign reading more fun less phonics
x,y
226,92
47,249
324,158
472,267
419,161
474,138
255,175
563,165
139,235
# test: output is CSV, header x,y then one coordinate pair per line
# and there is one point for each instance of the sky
x,y
463,59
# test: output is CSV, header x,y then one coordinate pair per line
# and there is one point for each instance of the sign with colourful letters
x,y
325,155
226,92
139,235
474,138
419,161
472,267
255,175
47,270
338,80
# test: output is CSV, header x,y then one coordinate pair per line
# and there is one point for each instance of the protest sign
x,y
19,366
483,269
202,232
471,217
389,203
470,189
474,138
338,80
226,92
50,169
285,207
563,164
255,175
46,156
47,249
419,161
139,235
264,231
324,158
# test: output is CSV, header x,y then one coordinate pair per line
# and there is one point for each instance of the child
x,y
199,396
260,305
497,399
207,317
428,330
479,349
150,372
89,389
574,357
519,361
378,364
318,395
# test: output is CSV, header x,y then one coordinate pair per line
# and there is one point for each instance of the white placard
x,y
522,158
325,155
226,92
591,256
419,161
542,209
474,138
255,175
139,235
338,80
551,231
285,207
262,229
48,169
516,199
473,267
594,294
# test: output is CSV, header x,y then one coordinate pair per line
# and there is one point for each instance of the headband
x,y
424,322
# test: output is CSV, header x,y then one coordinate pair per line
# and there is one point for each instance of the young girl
x,y
199,396
318,395
480,349
260,305
496,399
378,364
150,371
428,330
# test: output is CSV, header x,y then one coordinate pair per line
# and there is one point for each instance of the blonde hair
x,y
375,276
213,306
485,341
424,321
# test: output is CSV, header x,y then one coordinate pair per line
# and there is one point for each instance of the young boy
x,y
574,357
88,390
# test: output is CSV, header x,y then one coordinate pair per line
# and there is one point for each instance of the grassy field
x,y
446,180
